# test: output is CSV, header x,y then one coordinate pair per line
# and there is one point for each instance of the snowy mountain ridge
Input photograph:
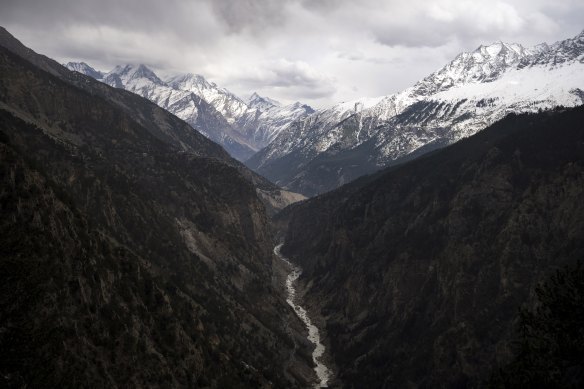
x,y
185,104
263,103
466,95
229,105
84,68
267,119
241,128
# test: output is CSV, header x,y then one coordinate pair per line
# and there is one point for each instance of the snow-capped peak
x,y
357,105
132,72
254,96
299,105
484,64
262,103
229,105
84,68
190,81
507,51
469,93
198,84
560,52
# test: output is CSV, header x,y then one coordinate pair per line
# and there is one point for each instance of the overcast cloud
x,y
316,51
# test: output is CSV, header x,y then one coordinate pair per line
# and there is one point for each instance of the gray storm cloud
x,y
317,51
256,15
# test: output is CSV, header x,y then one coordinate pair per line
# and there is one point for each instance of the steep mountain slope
x,y
262,103
188,106
241,128
83,68
144,81
225,102
135,252
334,146
549,348
259,121
419,271
267,118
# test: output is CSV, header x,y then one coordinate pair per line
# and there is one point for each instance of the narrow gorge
x,y
323,372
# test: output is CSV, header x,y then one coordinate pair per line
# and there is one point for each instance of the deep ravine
x,y
323,373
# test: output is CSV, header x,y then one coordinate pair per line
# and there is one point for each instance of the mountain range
x,y
311,152
136,252
242,128
336,145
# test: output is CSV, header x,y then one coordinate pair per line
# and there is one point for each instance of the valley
x,y
323,373
431,237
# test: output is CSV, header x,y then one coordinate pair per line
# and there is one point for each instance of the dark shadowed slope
x,y
420,270
158,122
549,343
134,251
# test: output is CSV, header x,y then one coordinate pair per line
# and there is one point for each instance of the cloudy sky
x,y
315,51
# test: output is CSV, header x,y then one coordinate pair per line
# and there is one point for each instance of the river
x,y
323,373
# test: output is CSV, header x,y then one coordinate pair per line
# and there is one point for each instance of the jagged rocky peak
x,y
201,86
540,48
509,52
262,103
496,58
484,64
559,53
225,102
488,63
189,81
301,106
131,72
576,43
83,68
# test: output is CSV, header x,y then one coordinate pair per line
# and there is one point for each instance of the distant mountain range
x,y
311,152
242,128
335,145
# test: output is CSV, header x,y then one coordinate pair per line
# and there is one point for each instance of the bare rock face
x,y
420,270
134,251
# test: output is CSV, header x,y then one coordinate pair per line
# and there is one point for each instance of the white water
x,y
322,371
